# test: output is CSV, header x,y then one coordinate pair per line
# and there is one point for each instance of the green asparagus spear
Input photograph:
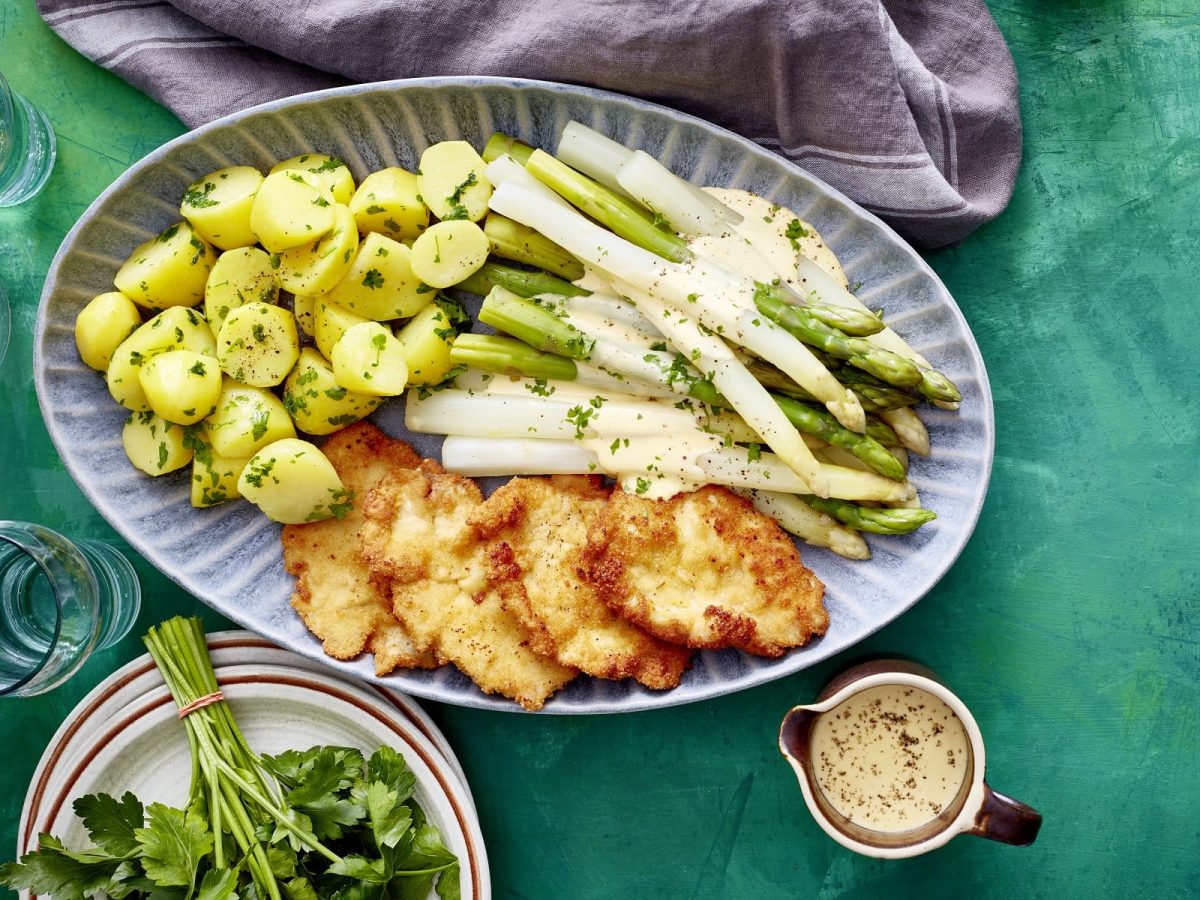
x,y
820,423
534,325
610,209
500,144
849,321
521,282
875,395
508,356
884,364
937,386
882,520
512,240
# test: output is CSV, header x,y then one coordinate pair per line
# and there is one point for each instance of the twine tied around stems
x,y
200,703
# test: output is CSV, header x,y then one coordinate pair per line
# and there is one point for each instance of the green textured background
x,y
1069,625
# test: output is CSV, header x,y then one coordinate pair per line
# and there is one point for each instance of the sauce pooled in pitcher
x,y
890,758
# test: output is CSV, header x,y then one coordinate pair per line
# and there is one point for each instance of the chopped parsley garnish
x,y
795,231
329,165
373,279
457,210
452,308
259,422
199,199
579,416
374,209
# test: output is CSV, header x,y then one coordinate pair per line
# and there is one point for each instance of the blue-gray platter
x,y
230,557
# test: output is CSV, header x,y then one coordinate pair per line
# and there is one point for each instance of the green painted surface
x,y
1069,625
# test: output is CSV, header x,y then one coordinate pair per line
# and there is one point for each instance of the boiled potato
x,y
317,267
214,477
155,445
218,206
304,307
176,328
238,277
329,170
102,325
289,211
427,338
330,323
448,252
258,344
380,284
169,270
181,386
452,182
246,420
316,402
292,482
368,358
388,202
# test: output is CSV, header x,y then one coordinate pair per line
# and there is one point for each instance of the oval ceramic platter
x,y
125,736
229,556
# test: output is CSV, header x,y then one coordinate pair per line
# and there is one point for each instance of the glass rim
x,y
35,547
8,110
5,323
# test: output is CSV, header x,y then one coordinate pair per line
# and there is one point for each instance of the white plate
x,y
230,557
125,736
226,648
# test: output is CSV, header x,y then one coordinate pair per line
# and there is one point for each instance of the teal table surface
x,y
1069,625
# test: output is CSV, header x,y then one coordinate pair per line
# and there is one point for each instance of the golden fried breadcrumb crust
x,y
536,530
705,569
417,537
334,594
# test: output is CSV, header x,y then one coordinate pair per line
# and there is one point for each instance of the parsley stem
x,y
305,837
442,868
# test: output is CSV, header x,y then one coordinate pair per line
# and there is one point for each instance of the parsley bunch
x,y
320,823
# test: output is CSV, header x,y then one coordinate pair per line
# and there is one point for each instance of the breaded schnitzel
x,y
705,569
334,594
537,528
417,536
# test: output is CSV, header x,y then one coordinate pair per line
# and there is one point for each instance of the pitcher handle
x,y
1006,820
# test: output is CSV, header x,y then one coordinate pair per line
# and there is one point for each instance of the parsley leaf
x,y
53,871
172,846
110,823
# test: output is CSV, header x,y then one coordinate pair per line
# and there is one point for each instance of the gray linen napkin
x,y
908,106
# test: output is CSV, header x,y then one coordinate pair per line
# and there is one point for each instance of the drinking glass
x,y
26,147
59,601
